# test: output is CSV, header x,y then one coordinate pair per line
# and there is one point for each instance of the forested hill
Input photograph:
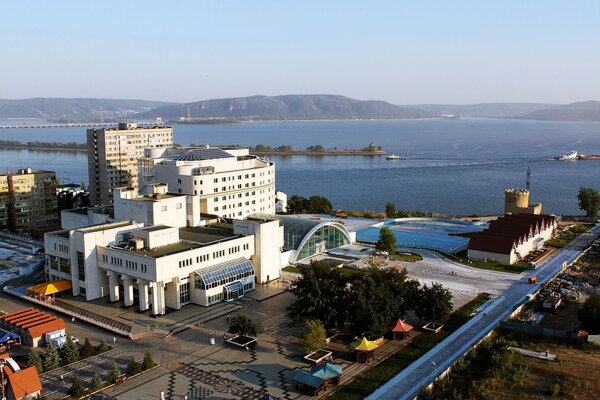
x,y
288,107
74,108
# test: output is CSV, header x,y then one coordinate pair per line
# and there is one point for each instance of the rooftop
x,y
202,154
155,228
104,227
158,196
205,235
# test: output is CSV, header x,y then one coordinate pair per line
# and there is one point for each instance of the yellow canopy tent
x,y
48,288
366,345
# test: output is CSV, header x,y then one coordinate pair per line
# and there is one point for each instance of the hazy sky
x,y
400,51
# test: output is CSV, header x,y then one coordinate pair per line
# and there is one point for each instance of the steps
x,y
96,317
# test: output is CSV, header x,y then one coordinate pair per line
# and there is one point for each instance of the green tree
x,y
390,209
297,204
83,186
589,314
77,390
589,201
70,351
242,324
133,368
51,358
87,350
319,205
387,240
33,359
148,361
320,294
433,303
113,373
102,346
313,337
96,383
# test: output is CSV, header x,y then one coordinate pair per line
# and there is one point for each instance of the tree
x,y
87,350
96,383
313,337
589,201
133,368
113,373
297,204
320,294
319,205
390,209
77,390
434,303
51,358
33,359
70,351
83,186
102,346
589,314
148,361
387,240
243,325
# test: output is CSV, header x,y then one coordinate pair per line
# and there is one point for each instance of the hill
x,y
74,108
288,107
580,111
484,110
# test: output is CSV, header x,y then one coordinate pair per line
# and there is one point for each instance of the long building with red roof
x,y
31,324
511,237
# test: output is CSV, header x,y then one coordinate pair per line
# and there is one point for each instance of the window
x,y
81,266
163,208
178,206
178,180
184,293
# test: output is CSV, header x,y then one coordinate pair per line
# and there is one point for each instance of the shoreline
x,y
45,149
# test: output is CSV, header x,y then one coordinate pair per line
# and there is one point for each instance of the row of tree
x,y
366,302
312,205
54,145
52,358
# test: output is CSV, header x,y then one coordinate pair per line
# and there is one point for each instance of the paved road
x,y
406,385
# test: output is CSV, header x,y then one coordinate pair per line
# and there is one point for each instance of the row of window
x,y
61,247
128,264
215,298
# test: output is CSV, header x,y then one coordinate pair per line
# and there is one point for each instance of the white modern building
x,y
157,251
227,182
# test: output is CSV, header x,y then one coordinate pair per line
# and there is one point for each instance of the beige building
x,y
516,201
113,156
28,200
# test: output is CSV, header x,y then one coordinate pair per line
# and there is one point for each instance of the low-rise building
x,y
21,384
31,325
159,252
511,237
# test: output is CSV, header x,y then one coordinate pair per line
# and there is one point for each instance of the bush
x,y
133,368
148,361
113,373
77,390
96,383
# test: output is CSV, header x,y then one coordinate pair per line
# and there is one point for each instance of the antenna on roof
x,y
528,184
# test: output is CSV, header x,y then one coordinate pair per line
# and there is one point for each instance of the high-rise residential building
x,y
227,182
28,200
113,156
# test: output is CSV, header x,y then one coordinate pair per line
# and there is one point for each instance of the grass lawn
x,y
562,239
515,268
408,257
373,378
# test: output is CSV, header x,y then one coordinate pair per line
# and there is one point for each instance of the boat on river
x,y
394,157
572,155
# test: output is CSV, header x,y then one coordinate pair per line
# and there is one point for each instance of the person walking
x,y
62,380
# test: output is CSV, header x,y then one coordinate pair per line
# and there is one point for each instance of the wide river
x,y
454,166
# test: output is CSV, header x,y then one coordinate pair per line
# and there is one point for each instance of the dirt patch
x,y
576,371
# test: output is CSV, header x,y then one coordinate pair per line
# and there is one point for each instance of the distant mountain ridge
x,y
74,108
484,110
287,107
580,111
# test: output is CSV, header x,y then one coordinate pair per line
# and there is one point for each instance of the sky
x,y
404,52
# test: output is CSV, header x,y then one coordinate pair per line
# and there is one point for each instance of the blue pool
x,y
430,233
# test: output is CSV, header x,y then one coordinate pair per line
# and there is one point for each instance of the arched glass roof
x,y
201,154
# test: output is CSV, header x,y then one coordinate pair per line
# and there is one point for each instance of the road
x,y
406,385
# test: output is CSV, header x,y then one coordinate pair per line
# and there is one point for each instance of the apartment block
x,y
113,156
28,200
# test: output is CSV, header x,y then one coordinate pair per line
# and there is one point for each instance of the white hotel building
x,y
226,182
160,253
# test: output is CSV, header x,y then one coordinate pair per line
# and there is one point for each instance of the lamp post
x,y
434,371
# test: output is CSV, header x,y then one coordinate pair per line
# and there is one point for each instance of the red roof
x,y
24,382
402,326
509,231
33,321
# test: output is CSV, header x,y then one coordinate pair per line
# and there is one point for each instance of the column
x,y
127,290
158,298
143,294
113,285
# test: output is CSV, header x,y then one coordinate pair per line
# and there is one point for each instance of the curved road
x,y
406,384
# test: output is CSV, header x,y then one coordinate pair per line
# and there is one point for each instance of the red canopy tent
x,y
401,330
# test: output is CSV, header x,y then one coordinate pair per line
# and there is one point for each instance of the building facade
x,y
162,254
113,156
512,237
229,183
28,200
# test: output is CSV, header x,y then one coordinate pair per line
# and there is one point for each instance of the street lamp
x,y
434,370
